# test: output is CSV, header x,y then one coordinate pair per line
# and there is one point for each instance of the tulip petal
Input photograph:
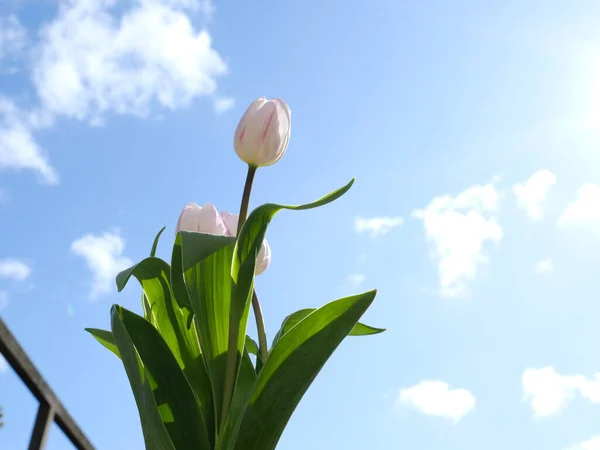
x,y
231,223
263,259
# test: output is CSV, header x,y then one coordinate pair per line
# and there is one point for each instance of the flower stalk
x,y
260,323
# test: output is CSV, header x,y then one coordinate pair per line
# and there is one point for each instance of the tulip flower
x,y
207,219
202,219
261,138
264,255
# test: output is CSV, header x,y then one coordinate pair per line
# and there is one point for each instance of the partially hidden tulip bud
x,y
202,219
207,219
262,136
264,255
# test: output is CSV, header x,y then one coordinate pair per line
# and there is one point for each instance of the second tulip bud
x,y
207,219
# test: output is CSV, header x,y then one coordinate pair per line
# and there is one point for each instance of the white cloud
x,y
548,391
458,227
584,210
3,365
14,269
103,255
13,36
376,226
223,104
544,266
590,444
18,149
91,62
355,280
436,398
532,194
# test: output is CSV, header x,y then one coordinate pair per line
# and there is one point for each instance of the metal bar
x,y
24,368
41,427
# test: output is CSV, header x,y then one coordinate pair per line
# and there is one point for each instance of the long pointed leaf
x,y
177,278
177,402
155,243
206,264
360,329
247,246
106,338
292,366
156,436
172,322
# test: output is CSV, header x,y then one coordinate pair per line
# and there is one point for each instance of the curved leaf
x,y
177,279
206,264
155,243
172,323
292,366
106,338
179,406
247,246
251,346
156,436
360,329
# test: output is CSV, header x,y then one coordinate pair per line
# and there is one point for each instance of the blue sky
x,y
473,131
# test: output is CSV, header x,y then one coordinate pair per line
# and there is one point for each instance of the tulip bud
x,y
261,138
202,219
264,255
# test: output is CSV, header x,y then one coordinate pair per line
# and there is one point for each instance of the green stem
x,y
260,328
260,323
230,371
246,197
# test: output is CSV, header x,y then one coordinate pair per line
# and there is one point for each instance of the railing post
x,y
44,419
51,409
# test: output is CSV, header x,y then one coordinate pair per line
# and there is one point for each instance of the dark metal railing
x,y
51,409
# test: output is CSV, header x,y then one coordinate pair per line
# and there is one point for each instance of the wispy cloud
x,y
18,148
544,266
458,227
103,255
532,194
14,269
548,391
585,209
376,226
223,104
355,280
13,37
92,62
436,398
589,444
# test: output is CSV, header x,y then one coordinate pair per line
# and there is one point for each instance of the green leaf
x,y
145,305
178,405
156,436
360,329
293,319
252,349
292,366
177,279
247,247
251,346
172,323
206,264
153,274
155,243
243,390
106,338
